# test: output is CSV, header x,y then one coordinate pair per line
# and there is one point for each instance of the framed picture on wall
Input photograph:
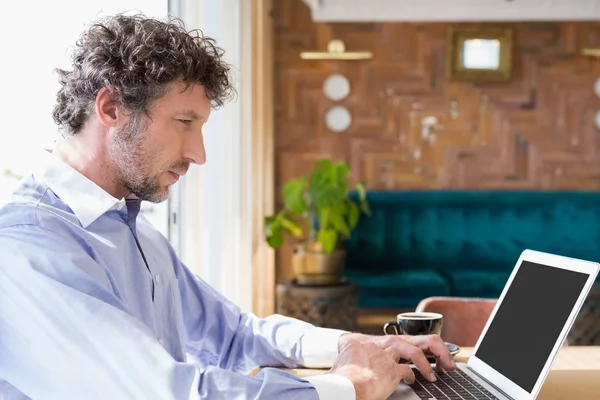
x,y
480,54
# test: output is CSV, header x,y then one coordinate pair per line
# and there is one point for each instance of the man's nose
x,y
195,151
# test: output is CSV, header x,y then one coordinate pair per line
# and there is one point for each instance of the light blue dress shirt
x,y
95,304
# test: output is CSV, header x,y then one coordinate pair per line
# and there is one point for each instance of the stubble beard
x,y
134,163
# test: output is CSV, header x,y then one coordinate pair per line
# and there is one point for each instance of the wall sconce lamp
x,y
336,50
591,52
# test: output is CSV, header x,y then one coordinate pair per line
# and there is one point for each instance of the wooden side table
x,y
326,306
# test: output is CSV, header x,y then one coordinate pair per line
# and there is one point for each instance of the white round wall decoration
x,y
336,87
338,118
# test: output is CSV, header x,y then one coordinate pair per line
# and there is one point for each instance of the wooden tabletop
x,y
575,373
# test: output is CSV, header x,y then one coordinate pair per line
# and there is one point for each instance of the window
x,y
213,207
34,42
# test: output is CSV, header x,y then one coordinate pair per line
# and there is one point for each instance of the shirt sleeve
x,y
331,386
65,335
219,334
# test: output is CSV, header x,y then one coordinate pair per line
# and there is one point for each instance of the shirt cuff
x,y
319,347
330,386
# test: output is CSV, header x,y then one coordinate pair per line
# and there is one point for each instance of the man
x,y
94,303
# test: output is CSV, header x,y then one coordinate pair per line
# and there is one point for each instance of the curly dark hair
x,y
137,58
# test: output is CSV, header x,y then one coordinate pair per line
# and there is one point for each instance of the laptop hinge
x,y
490,383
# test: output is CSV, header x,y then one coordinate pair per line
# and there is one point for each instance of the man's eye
x,y
185,121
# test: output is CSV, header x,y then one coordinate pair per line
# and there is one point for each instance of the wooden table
x,y
575,373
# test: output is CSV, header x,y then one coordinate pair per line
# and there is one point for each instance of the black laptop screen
x,y
529,321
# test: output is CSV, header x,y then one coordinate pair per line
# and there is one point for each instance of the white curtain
x,y
213,199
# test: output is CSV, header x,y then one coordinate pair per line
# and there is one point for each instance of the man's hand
x,y
412,348
374,371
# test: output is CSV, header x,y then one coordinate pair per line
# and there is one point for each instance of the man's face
x,y
152,153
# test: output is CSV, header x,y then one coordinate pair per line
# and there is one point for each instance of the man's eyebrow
x,y
191,114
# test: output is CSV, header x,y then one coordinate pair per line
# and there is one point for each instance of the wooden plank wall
x,y
535,132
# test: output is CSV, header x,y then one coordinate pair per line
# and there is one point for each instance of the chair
x,y
464,318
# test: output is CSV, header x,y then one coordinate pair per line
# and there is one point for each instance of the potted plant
x,y
321,216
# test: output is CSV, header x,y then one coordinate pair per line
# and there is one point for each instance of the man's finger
x,y
418,358
438,348
394,353
435,345
438,364
406,374
416,355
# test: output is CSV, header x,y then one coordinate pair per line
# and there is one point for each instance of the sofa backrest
x,y
465,229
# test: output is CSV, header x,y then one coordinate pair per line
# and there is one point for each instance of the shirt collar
x,y
87,200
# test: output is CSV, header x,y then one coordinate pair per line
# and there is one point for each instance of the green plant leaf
x,y
324,199
353,215
269,222
291,226
324,164
362,198
273,231
362,192
338,222
338,218
293,196
341,174
275,240
323,218
328,239
341,208
364,207
326,189
328,204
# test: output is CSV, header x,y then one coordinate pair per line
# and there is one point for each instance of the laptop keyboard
x,y
450,385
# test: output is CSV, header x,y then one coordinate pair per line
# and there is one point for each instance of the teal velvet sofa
x,y
462,243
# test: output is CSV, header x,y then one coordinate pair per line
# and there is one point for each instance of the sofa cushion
x,y
477,283
396,288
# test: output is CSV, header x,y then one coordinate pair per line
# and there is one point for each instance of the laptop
x,y
525,331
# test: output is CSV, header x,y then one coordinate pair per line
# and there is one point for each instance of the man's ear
x,y
109,112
